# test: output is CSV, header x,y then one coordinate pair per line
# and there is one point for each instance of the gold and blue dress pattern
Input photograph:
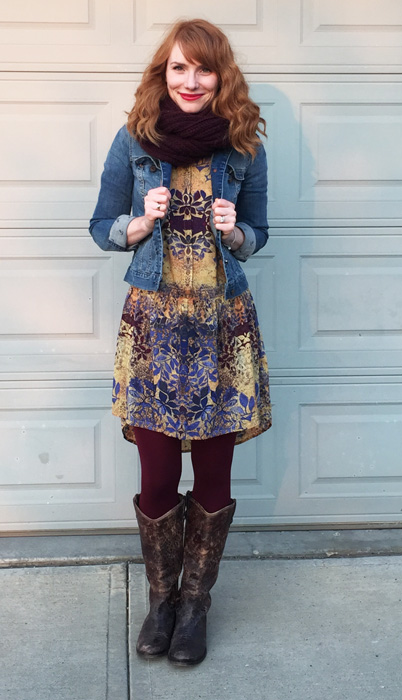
x,y
190,363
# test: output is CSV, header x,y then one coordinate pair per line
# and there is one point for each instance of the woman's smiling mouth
x,y
191,96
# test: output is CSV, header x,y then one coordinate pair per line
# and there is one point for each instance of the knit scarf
x,y
187,137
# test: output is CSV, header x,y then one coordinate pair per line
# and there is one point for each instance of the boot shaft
x,y
162,546
204,542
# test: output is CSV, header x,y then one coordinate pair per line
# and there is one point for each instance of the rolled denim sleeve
x,y
118,232
248,246
112,215
251,207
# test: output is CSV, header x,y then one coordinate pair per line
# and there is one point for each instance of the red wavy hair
x,y
203,43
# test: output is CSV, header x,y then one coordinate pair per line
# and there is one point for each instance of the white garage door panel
x,y
334,152
256,479
41,432
60,310
337,456
59,134
356,151
352,296
50,172
47,297
45,25
367,23
262,278
41,11
357,449
44,451
342,35
59,459
161,12
296,35
338,301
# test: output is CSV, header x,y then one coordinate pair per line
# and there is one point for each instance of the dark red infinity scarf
x,y
187,137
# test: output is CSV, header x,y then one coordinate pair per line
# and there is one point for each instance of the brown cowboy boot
x,y
162,549
204,543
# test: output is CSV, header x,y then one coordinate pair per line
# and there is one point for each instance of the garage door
x,y
327,286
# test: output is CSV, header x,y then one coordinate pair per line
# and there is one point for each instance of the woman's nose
x,y
191,80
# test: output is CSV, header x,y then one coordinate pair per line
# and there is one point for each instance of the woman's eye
x,y
206,70
177,67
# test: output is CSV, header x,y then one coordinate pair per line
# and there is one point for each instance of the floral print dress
x,y
190,363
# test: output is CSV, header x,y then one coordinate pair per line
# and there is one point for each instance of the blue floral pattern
x,y
188,362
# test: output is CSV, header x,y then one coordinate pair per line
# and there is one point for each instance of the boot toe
x,y
153,644
181,657
156,632
188,646
153,650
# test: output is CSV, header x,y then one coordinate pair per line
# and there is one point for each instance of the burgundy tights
x,y
160,457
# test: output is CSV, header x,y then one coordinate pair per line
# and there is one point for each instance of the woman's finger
x,y
159,191
222,204
228,214
223,216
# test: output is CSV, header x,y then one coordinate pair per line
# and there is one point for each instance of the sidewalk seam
x,y
108,634
127,582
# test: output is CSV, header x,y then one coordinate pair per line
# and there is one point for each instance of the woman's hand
x,y
156,204
224,215
225,221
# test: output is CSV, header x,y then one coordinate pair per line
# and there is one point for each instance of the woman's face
x,y
191,85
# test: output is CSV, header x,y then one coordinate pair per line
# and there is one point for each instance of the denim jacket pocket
x,y
147,175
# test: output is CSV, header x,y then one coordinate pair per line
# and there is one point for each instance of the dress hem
x,y
242,435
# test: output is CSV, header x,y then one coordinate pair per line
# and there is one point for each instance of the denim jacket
x,y
129,173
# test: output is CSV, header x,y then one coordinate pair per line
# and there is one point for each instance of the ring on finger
x,y
222,219
158,206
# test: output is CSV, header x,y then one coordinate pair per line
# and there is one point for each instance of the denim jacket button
x,y
153,168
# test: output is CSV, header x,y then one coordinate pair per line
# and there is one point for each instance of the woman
x,y
185,188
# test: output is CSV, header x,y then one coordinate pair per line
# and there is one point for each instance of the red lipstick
x,y
190,96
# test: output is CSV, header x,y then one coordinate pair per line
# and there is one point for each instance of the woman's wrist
x,y
139,228
234,240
